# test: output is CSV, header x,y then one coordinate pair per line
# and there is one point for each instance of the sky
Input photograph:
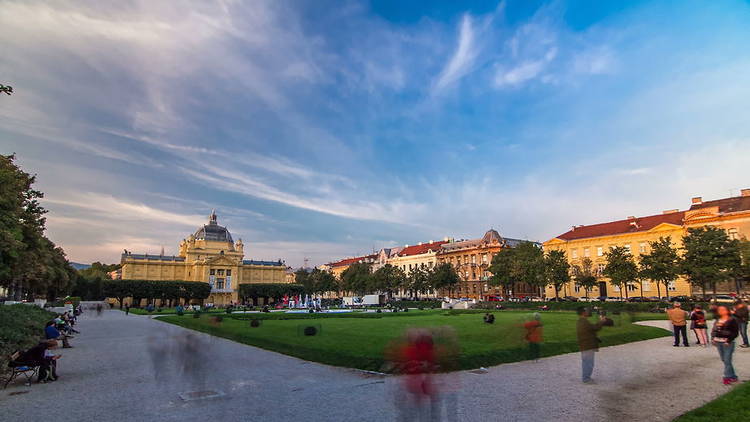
x,y
326,129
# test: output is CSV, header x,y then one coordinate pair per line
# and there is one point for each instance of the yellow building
x,y
421,255
635,233
338,267
209,255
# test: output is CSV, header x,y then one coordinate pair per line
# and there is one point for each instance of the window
x,y
672,286
586,252
616,288
574,253
646,286
229,273
733,234
631,288
219,283
212,272
473,259
220,272
600,269
642,247
577,288
229,281
599,251
484,258
627,247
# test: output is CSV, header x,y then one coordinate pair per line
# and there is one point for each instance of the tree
x,y
584,275
709,256
556,270
741,270
621,268
324,281
444,276
357,278
416,282
306,279
661,264
522,264
388,279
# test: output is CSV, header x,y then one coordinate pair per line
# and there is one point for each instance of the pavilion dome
x,y
213,231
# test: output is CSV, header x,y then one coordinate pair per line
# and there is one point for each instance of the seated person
x,y
52,333
38,356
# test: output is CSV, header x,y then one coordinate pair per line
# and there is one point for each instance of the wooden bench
x,y
19,368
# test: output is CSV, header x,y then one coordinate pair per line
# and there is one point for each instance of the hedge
x,y
155,289
21,327
572,306
272,290
286,316
425,304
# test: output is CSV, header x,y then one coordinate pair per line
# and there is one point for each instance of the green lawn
x,y
731,407
359,342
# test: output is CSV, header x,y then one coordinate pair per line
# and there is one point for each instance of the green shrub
x,y
310,331
197,314
21,327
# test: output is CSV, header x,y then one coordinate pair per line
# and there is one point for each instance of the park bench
x,y
20,368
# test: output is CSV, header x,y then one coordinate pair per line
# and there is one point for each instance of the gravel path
x,y
110,374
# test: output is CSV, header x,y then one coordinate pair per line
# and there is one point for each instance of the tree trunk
x,y
658,289
626,291
557,291
713,287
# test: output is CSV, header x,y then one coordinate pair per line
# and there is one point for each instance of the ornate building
x,y
635,233
472,259
209,255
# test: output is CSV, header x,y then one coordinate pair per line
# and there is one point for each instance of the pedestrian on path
x,y
741,314
678,317
534,335
698,322
723,334
588,342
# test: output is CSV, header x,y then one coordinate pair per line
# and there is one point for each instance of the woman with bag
x,y
725,330
698,324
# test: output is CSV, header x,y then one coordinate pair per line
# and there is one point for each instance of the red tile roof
x,y
623,226
420,249
350,261
734,204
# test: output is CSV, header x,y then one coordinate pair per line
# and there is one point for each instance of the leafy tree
x,y
522,264
502,269
444,277
388,279
584,275
661,264
269,290
324,281
621,268
557,270
306,279
357,278
418,281
741,269
709,257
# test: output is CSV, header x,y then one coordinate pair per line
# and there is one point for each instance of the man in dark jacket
x,y
588,342
38,356
741,314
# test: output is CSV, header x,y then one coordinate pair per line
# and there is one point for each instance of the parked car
x,y
557,299
638,299
494,298
586,299
725,299
571,298
613,299
536,299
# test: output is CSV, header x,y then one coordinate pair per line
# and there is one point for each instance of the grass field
x,y
360,342
731,407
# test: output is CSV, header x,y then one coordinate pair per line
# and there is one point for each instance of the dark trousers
x,y
534,351
677,330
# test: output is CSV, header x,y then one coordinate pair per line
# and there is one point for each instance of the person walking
x,y
725,330
534,335
741,314
127,309
678,317
698,322
588,342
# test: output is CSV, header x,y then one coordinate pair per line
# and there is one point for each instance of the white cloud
x,y
463,58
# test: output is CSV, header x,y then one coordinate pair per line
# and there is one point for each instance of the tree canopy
x,y
709,256
556,270
621,268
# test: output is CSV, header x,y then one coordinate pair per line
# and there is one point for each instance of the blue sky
x,y
325,129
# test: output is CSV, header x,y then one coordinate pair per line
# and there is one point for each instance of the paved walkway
x,y
110,374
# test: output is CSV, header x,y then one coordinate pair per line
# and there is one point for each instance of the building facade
x,y
421,255
472,259
209,255
635,233
338,267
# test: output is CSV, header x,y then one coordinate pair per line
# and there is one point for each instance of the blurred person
x,y
448,352
52,333
534,335
678,317
193,356
588,342
698,324
415,358
160,351
127,309
725,330
741,314
99,310
37,356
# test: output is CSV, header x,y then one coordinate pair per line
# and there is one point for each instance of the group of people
x,y
59,329
730,322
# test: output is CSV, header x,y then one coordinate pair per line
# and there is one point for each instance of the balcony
x,y
216,290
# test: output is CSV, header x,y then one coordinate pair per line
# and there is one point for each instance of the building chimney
x,y
744,192
669,211
420,244
631,217
697,200
573,229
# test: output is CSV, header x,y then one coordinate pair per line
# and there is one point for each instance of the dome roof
x,y
213,231
492,236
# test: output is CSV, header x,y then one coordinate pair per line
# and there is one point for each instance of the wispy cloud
x,y
463,58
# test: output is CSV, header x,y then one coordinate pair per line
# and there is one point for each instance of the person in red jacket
x,y
534,335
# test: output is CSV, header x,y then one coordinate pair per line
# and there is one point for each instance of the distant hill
x,y
79,266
